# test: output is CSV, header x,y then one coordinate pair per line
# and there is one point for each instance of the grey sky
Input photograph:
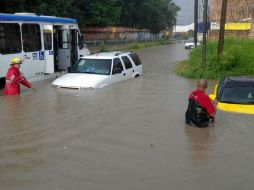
x,y
186,14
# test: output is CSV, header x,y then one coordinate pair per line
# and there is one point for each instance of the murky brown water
x,y
127,136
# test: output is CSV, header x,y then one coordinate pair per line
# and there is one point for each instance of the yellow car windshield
x,y
243,94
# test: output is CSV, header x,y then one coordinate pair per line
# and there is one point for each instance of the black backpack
x,y
196,114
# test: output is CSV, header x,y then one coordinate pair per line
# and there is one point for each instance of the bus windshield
x,y
92,66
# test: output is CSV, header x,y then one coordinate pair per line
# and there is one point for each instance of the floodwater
x,y
128,136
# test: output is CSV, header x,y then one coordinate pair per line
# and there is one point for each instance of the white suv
x,y
102,69
189,43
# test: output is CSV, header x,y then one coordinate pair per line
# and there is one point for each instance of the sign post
x,y
113,30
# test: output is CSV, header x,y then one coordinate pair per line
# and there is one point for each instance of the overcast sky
x,y
186,14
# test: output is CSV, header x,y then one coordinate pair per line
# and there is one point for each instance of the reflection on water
x,y
201,142
19,151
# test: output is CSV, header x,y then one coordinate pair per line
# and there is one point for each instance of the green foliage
x,y
163,41
140,45
237,59
152,14
102,47
12,6
135,45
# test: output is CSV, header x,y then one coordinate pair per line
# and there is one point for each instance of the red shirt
x,y
203,99
13,78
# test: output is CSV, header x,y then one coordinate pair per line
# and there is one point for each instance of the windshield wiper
x,y
90,72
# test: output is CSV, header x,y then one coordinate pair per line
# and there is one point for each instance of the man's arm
x,y
26,83
211,107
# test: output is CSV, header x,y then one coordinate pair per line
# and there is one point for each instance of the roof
x,y
241,79
184,28
105,55
35,18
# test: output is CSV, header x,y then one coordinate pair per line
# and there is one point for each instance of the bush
x,y
102,47
237,59
135,45
139,45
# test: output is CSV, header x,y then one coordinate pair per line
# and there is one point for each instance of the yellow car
x,y
235,94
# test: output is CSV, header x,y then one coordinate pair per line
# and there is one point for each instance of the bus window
x,y
10,39
47,39
31,37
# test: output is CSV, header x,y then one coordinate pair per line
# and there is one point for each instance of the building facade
x,y
118,33
237,10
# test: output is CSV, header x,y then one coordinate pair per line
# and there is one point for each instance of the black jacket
x,y
196,114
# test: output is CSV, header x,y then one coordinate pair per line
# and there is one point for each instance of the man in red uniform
x,y
14,77
200,109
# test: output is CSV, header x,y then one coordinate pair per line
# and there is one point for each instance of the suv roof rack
x,y
118,53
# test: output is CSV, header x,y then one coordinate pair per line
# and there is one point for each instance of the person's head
x,y
202,84
16,62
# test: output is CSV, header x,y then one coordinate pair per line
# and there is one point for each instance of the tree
x,y
12,6
222,29
151,14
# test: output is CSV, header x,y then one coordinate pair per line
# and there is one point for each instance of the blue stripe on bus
x,y
13,17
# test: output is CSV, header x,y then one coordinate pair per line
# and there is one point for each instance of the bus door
x,y
74,45
64,50
48,48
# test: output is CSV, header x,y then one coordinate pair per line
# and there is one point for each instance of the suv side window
x,y
117,64
127,62
135,59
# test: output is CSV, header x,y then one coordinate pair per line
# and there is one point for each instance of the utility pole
x,y
195,22
204,33
222,29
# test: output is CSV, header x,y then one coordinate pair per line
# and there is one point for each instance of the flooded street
x,y
127,136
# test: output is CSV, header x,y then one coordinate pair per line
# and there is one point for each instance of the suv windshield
x,y
190,41
238,94
93,66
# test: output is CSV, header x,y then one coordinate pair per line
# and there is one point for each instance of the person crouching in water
x,y
201,110
14,77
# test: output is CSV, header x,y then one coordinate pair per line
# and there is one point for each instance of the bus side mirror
x,y
69,69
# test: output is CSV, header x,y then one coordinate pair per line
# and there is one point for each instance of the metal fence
x,y
95,43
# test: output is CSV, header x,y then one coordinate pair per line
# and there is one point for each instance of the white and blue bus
x,y
46,44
